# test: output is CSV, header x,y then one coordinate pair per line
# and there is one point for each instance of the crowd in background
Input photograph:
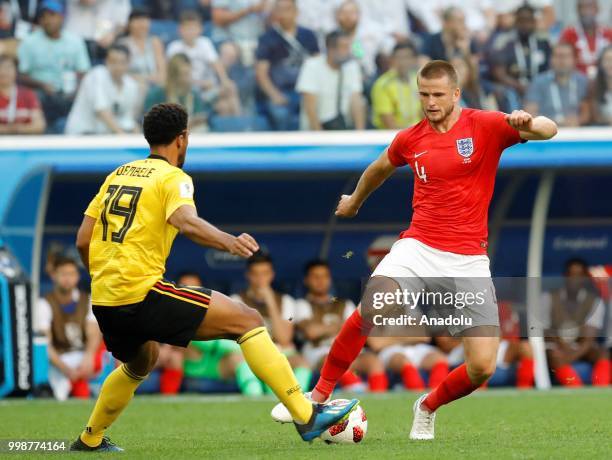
x,y
573,317
95,66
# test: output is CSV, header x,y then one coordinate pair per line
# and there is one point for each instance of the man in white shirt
x,y
108,98
97,20
331,88
64,315
208,72
277,310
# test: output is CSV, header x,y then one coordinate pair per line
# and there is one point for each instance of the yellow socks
x,y
271,366
116,392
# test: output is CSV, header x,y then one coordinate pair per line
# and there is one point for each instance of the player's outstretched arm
x,y
532,128
199,231
372,178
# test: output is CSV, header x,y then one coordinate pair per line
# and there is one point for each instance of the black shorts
x,y
168,314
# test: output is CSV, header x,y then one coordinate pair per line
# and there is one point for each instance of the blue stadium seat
x,y
220,124
165,30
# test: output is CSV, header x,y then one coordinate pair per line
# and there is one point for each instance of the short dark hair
x,y
314,263
186,273
525,8
437,69
259,258
332,38
405,45
62,260
119,48
576,261
163,123
189,16
140,12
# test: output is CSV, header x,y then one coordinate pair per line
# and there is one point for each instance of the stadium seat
x,y
167,31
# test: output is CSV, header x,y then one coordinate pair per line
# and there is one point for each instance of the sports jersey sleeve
x,y
177,190
396,149
496,126
95,206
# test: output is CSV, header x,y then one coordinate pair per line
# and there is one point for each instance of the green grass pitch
x,y
495,424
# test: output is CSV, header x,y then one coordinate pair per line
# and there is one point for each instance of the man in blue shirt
x,y
53,61
280,54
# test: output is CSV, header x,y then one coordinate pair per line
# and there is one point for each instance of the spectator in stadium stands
x,y
208,74
147,59
241,21
479,14
98,22
575,318
277,310
367,42
545,11
588,37
9,15
64,315
561,93
52,61
219,360
318,318
318,16
474,94
280,54
331,88
601,100
108,100
522,57
395,95
230,56
20,111
405,356
454,37
179,88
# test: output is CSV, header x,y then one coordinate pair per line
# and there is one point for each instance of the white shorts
x,y
60,384
413,353
416,266
409,258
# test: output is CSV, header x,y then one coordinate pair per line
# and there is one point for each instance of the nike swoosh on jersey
x,y
416,155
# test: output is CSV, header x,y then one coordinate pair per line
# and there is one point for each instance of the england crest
x,y
465,147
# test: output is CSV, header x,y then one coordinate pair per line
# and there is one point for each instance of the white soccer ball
x,y
351,431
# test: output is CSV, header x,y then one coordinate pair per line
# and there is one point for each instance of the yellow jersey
x,y
132,237
394,96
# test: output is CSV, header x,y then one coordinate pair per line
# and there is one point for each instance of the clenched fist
x,y
346,208
519,119
244,246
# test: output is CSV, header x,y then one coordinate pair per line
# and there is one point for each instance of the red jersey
x,y
588,47
18,106
454,178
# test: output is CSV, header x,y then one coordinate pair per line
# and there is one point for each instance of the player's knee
x,y
251,319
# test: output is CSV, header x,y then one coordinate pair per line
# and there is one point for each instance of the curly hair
x,y
163,123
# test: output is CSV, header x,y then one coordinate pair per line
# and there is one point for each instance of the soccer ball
x,y
351,431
